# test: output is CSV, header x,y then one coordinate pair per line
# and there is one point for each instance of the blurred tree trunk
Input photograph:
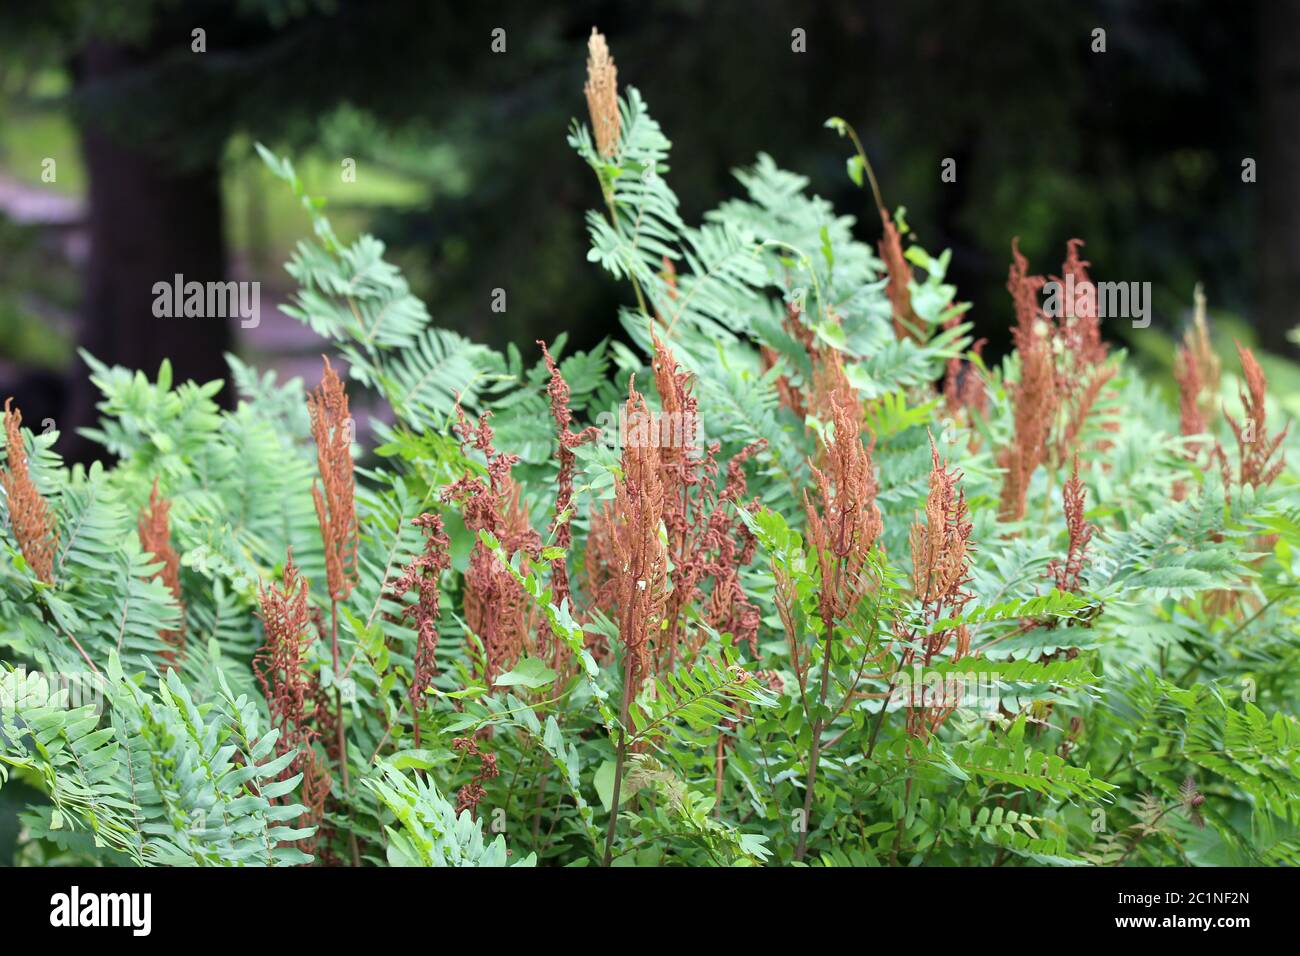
x,y
147,223
1279,173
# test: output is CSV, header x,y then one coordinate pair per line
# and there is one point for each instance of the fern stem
x,y
884,706
612,826
339,734
815,752
631,273
624,710
717,775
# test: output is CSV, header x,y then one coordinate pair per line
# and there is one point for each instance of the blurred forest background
x,y
463,170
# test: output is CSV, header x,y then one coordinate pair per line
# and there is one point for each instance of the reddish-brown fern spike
x,y
1073,496
843,527
732,545
680,455
1080,322
845,522
1198,374
469,795
1034,397
335,509
1031,324
642,556
906,323
155,538
422,576
1188,375
280,666
941,551
1255,447
1201,352
602,95
1082,373
684,474
561,528
495,604
29,513
941,544
1190,419
830,385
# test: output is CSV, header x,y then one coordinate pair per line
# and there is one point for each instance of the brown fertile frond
x,y
941,550
941,545
845,522
1080,351
640,550
730,609
679,457
1198,374
1187,374
1080,324
830,385
602,95
496,605
907,325
1255,448
1079,529
561,528
687,478
280,663
468,797
335,508
1024,289
1201,351
155,538
422,576
1035,397
292,692
29,513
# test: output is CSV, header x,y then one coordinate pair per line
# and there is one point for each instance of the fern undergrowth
x,y
876,603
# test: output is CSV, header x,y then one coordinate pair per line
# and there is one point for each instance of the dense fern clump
x,y
793,577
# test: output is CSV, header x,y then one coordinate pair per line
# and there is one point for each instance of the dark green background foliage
x,y
1137,150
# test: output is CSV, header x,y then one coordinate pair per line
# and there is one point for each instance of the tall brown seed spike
x,y
155,538
29,513
335,506
602,95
